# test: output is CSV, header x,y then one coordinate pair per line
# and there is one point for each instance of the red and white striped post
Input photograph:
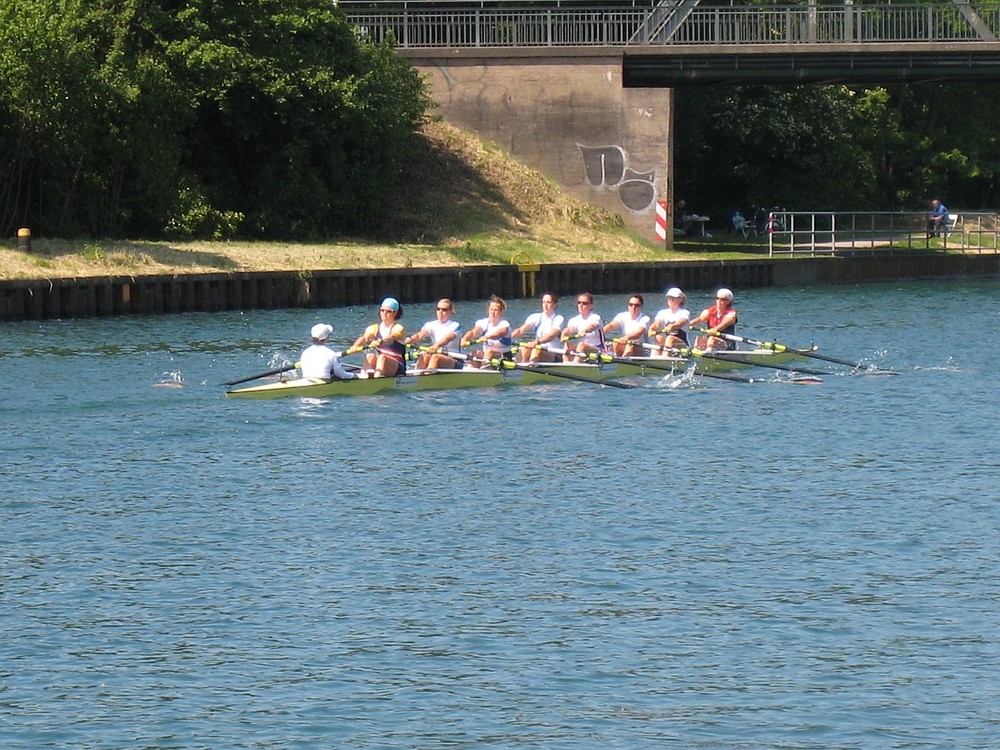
x,y
661,221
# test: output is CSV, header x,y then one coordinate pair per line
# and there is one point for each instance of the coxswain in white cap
x,y
319,361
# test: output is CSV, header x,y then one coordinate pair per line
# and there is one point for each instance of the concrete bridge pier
x,y
566,114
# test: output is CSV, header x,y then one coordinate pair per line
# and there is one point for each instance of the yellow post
x,y
24,239
529,269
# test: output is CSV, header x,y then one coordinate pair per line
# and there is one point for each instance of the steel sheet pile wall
x,y
144,295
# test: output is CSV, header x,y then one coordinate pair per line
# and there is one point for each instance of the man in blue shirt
x,y
937,223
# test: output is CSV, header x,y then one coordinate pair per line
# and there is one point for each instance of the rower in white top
x,y
633,323
547,325
669,326
583,333
443,332
493,332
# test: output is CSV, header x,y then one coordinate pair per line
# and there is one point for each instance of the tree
x,y
744,146
198,118
837,147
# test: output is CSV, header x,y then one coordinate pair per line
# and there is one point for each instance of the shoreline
x,y
111,296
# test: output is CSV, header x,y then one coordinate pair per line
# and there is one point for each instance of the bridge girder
x,y
657,67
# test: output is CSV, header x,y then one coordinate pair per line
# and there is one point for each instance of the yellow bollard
x,y
529,270
24,239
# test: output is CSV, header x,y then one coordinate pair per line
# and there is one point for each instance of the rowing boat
x,y
435,380
521,374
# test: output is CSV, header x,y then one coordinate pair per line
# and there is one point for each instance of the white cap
x,y
725,294
676,293
321,331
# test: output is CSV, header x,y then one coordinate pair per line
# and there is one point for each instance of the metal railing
x,y
508,24
827,233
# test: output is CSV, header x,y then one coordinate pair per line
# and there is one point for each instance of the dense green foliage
x,y
268,119
837,147
198,118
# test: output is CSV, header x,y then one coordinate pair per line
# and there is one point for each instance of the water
x,y
713,565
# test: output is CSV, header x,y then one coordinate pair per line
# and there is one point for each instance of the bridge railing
x,y
828,24
824,233
416,25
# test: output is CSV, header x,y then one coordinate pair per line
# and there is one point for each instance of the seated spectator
x,y
740,223
937,222
690,223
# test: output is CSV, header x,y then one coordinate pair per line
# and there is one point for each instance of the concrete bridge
x,y
584,92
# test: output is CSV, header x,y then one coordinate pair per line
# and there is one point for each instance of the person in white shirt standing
x,y
319,361
547,326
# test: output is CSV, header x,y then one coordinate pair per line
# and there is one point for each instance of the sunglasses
x,y
444,309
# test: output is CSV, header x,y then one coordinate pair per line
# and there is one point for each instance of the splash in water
x,y
170,380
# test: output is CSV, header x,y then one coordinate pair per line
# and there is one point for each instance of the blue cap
x,y
390,303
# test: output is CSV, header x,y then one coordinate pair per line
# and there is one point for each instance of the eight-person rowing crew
x,y
555,338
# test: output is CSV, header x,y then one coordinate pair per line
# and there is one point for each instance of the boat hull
x,y
436,380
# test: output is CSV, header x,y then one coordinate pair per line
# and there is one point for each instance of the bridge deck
x,y
679,41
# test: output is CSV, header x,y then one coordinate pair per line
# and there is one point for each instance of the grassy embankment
x,y
466,203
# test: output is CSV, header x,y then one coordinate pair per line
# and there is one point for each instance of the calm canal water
x,y
714,565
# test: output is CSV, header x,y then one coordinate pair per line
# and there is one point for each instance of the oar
x,y
685,351
508,364
286,368
604,357
774,346
269,373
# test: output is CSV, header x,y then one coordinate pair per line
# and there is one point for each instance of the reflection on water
x,y
693,563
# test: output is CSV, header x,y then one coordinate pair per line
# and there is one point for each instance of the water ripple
x,y
713,565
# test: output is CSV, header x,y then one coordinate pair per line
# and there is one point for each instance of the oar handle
x,y
774,346
375,344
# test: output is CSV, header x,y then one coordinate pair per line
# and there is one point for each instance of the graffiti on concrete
x,y
607,167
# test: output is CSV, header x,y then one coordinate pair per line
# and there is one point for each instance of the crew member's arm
x,y
471,334
700,318
420,335
339,372
552,335
365,338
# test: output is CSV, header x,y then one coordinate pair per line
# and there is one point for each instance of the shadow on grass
x,y
443,196
116,254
